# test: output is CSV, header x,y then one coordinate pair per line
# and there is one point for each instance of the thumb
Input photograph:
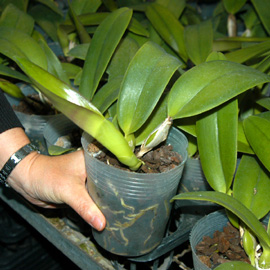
x,y
83,204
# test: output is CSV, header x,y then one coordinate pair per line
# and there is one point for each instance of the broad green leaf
x,y
125,51
176,7
262,7
71,70
237,265
252,186
245,54
264,102
187,124
169,28
89,19
257,132
198,41
16,43
107,94
233,6
210,84
102,46
7,71
242,143
11,89
233,205
54,65
83,113
85,6
83,35
146,78
15,18
215,131
155,119
264,65
79,51
213,56
137,28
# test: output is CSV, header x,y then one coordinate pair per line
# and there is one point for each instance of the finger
x,y
82,203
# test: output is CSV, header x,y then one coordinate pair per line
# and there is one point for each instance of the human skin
x,y
50,181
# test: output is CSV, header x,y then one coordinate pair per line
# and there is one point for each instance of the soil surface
x,y
33,105
158,160
223,247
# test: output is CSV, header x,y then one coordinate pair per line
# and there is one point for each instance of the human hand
x,y
47,181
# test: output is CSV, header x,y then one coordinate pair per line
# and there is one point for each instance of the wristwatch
x,y
15,159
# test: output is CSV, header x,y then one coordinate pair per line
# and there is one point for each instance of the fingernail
x,y
96,223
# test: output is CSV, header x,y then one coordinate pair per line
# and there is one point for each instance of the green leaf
x,y
47,19
21,4
55,150
257,132
85,6
71,70
215,131
6,71
137,28
79,51
233,6
176,7
242,143
125,51
155,119
252,186
233,205
199,41
54,65
146,78
15,18
264,102
16,43
83,113
11,89
84,36
237,265
51,5
103,44
245,54
210,84
169,28
262,7
107,94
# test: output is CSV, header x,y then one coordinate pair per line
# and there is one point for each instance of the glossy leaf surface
x,y
146,78
198,41
215,131
210,84
232,205
257,132
169,28
252,186
102,46
83,113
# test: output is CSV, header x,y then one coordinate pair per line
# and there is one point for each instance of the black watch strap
x,y
14,160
